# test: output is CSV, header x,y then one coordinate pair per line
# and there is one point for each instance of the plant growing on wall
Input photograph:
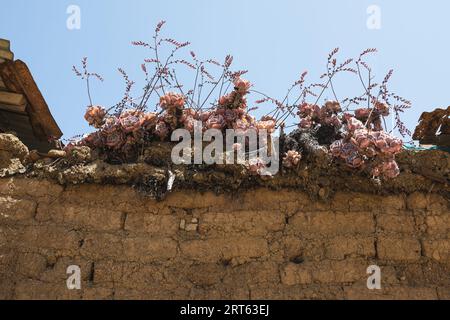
x,y
219,102
352,130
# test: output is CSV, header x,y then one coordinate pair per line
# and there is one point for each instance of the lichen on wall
x,y
258,244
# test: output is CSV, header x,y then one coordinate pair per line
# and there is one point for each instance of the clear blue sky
x,y
274,40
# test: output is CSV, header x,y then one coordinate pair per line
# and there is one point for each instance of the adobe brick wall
x,y
261,245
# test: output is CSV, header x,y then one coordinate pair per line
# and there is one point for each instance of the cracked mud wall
x,y
261,244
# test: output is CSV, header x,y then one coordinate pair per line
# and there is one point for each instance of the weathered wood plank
x,y
5,44
14,108
18,79
442,140
13,119
14,99
7,55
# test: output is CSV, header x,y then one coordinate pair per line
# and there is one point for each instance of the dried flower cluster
x,y
312,115
365,148
120,136
291,159
360,141
125,128
358,137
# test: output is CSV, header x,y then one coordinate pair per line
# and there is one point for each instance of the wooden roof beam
x,y
13,102
5,51
15,99
18,79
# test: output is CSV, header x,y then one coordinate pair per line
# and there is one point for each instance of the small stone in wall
x,y
15,167
322,193
417,201
11,148
32,157
189,227
12,155
183,224
56,154
79,154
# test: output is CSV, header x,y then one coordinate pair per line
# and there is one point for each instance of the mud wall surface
x,y
259,244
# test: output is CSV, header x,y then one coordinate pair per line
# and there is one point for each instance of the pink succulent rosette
x,y
115,140
215,121
188,119
94,140
354,124
291,159
162,130
204,116
388,169
306,123
111,125
242,86
130,121
308,110
332,107
172,101
382,108
236,99
243,124
256,166
171,120
365,147
225,100
333,121
354,160
95,116
336,147
148,120
266,123
362,114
